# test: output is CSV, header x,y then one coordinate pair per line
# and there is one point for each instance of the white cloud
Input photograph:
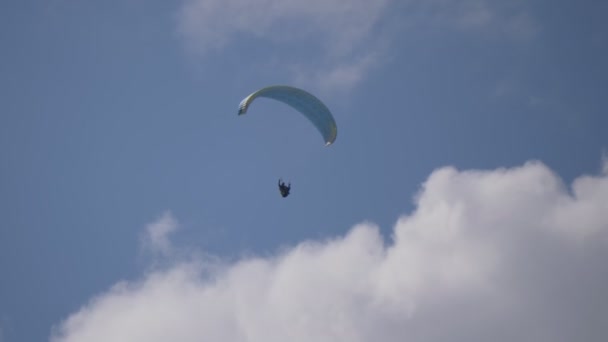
x,y
156,234
501,255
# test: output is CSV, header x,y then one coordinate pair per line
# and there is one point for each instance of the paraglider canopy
x,y
307,104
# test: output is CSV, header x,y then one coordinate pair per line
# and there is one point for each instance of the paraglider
x,y
305,103
284,189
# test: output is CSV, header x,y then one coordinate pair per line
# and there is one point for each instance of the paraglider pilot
x,y
284,189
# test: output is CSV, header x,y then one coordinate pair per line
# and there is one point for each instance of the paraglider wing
x,y
307,104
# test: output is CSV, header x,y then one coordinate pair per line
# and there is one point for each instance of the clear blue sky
x,y
113,113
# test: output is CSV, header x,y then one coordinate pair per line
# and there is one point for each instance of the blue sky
x,y
467,130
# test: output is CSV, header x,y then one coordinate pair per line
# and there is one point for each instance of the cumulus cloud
x,y
500,255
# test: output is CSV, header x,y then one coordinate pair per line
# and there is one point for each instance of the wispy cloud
x,y
339,25
333,31
156,235
511,19
336,77
333,44
500,255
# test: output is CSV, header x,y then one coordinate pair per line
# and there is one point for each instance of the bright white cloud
x,y
501,255
156,235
